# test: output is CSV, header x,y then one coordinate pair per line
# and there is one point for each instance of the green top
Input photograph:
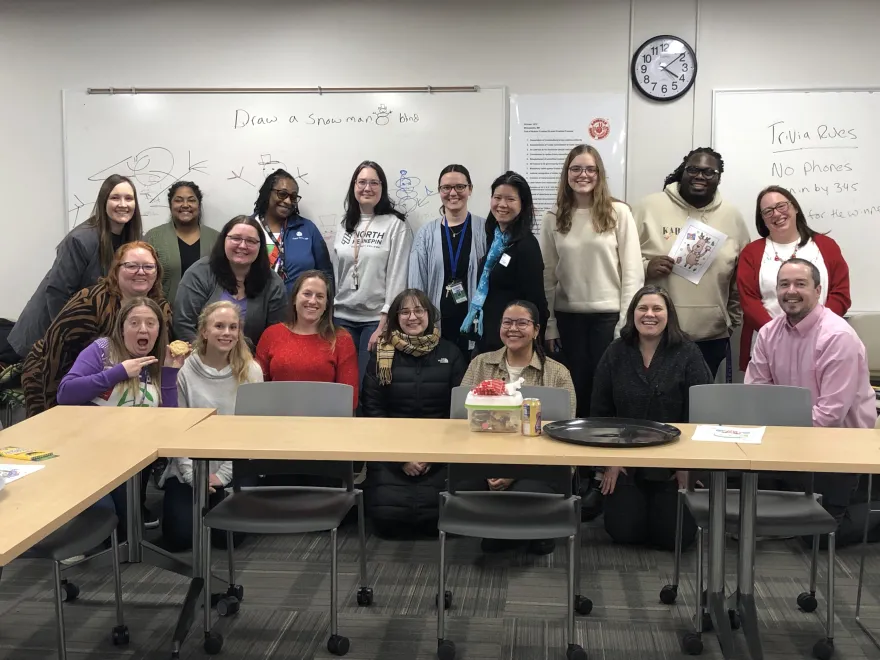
x,y
164,239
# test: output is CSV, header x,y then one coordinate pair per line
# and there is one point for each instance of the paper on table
x,y
695,249
729,434
11,472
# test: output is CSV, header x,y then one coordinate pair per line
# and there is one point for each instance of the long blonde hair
x,y
240,357
602,212
119,352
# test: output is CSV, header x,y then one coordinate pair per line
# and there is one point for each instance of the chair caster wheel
x,y
447,600
823,649
365,596
807,602
120,636
583,605
707,622
235,591
228,606
69,591
445,649
575,652
692,643
338,645
213,643
668,594
735,621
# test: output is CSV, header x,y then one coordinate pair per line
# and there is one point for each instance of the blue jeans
x,y
360,332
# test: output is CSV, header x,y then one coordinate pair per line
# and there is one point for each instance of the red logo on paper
x,y
599,128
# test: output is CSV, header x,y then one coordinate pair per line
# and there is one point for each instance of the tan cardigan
x,y
492,366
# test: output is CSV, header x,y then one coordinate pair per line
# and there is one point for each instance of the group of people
x,y
590,305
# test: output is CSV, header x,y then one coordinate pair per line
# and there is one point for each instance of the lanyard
x,y
453,259
278,266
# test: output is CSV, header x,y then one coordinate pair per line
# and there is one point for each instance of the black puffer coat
x,y
420,387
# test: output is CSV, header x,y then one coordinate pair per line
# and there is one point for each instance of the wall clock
x,y
664,68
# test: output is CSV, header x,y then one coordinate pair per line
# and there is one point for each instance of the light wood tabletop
x,y
429,440
98,449
816,449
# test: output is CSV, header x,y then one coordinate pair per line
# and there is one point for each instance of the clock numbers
x,y
664,68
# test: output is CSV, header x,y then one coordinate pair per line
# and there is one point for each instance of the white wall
x,y
548,46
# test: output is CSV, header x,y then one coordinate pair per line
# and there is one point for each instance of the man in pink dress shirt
x,y
813,347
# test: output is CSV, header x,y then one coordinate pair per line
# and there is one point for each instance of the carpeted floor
x,y
506,607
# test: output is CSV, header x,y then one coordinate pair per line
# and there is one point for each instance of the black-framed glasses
x,y
132,267
282,194
707,173
458,187
577,170
519,324
782,207
238,240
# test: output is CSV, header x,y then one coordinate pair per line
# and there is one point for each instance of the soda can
x,y
531,417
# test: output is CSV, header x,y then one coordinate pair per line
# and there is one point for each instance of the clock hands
x,y
665,69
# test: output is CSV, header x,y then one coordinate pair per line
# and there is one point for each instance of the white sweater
x,y
201,386
586,272
383,260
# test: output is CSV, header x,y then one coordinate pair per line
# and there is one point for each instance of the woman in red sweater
x,y
785,234
308,347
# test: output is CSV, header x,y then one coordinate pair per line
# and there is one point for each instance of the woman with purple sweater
x,y
124,369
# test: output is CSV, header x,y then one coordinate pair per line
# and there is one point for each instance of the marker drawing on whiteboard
x,y
266,161
238,175
77,205
408,198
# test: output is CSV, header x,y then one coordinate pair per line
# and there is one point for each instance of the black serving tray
x,y
617,432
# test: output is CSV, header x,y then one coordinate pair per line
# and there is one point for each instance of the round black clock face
x,y
664,68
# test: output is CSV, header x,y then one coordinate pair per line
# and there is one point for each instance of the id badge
x,y
456,288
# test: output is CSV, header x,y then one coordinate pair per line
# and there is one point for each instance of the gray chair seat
x,y
291,510
780,513
505,515
87,530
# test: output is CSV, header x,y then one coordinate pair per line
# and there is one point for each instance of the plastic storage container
x,y
494,414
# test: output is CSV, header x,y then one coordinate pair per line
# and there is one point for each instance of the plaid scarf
x,y
416,346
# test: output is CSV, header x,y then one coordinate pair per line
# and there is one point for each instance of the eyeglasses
x,y
363,184
132,267
417,311
577,170
458,187
282,194
238,240
782,207
708,173
137,324
519,324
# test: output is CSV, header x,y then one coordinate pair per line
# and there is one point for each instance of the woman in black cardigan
x,y
647,374
410,374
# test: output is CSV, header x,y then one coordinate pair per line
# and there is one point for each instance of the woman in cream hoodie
x,y
592,267
708,311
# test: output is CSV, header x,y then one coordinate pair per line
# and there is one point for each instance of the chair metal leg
x,y
698,578
362,534
679,518
206,571
441,589
814,563
117,576
829,625
230,556
59,612
572,558
334,578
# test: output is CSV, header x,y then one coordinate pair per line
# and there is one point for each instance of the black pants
x,y
584,339
119,503
642,512
177,511
714,352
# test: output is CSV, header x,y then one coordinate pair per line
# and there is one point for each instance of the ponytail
x,y
542,356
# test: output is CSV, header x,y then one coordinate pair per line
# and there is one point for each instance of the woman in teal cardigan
x,y
184,239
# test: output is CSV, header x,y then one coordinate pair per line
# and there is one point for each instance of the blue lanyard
x,y
453,260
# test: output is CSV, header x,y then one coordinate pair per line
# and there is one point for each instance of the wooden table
x,y
98,449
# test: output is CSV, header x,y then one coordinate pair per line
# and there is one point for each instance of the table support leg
x,y
134,519
863,551
195,594
748,511
716,601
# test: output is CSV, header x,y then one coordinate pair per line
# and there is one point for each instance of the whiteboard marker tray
x,y
618,432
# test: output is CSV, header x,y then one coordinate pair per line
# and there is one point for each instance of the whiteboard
x,y
820,144
229,143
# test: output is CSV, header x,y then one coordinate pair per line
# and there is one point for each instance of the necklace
x,y
776,254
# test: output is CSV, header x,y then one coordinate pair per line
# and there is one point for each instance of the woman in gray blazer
x,y
236,270
183,240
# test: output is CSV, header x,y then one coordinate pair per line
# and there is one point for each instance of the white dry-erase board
x,y
228,143
820,144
